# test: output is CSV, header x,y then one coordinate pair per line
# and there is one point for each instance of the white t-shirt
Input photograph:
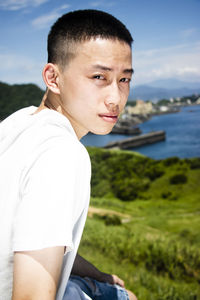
x,y
45,189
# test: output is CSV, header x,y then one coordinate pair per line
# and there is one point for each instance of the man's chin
x,y
102,131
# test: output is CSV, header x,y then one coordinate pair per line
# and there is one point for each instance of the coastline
x,y
182,135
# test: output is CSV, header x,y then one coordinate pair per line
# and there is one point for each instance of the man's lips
x,y
111,118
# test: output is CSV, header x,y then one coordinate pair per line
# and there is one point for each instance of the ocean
x,y
182,135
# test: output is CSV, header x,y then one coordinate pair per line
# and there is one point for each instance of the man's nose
x,y
113,108
113,96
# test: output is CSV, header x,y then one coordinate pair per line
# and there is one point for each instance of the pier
x,y
126,130
132,142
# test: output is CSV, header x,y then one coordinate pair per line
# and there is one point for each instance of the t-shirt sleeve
x,y
49,197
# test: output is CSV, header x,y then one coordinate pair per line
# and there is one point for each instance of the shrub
x,y
195,163
169,195
112,220
154,172
187,160
100,189
178,179
184,233
109,219
166,195
189,236
170,161
128,189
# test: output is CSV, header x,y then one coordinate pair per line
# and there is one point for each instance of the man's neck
x,y
52,101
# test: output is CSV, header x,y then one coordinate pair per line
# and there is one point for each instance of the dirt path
x,y
103,211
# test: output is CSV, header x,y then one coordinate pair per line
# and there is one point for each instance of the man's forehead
x,y
105,54
110,46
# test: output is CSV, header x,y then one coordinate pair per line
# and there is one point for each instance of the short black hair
x,y
79,26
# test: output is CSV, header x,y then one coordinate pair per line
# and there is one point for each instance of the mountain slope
x,y
159,90
14,97
172,83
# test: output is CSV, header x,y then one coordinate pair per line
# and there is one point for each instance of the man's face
x,y
94,86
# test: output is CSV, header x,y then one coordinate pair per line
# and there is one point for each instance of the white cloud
x,y
180,62
188,32
20,4
96,4
45,20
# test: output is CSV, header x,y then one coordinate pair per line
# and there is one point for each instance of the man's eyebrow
x,y
131,71
104,68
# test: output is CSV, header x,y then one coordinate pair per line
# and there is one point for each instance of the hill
x,y
14,97
172,83
144,223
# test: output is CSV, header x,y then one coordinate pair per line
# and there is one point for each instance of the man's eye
x,y
98,77
125,80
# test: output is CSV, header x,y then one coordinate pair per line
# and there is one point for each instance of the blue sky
x,y
166,36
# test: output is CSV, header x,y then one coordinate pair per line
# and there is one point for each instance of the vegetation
x,y
181,100
14,97
128,176
194,163
131,103
151,239
163,102
193,98
178,178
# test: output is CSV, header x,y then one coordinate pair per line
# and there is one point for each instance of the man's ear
x,y
51,76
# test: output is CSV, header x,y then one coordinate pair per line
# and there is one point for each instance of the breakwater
x,y
132,142
126,130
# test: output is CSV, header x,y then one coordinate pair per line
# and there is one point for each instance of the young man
x,y
44,169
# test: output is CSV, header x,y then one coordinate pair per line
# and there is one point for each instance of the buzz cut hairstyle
x,y
80,26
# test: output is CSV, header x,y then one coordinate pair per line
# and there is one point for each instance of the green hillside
x,y
151,236
14,97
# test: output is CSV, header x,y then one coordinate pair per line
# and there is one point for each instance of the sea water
x,y
182,135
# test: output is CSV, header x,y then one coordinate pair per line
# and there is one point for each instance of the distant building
x,y
164,108
141,108
198,101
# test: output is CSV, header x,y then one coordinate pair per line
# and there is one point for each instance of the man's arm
x,y
84,268
36,273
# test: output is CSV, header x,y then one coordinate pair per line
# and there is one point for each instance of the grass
x,y
156,261
157,251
